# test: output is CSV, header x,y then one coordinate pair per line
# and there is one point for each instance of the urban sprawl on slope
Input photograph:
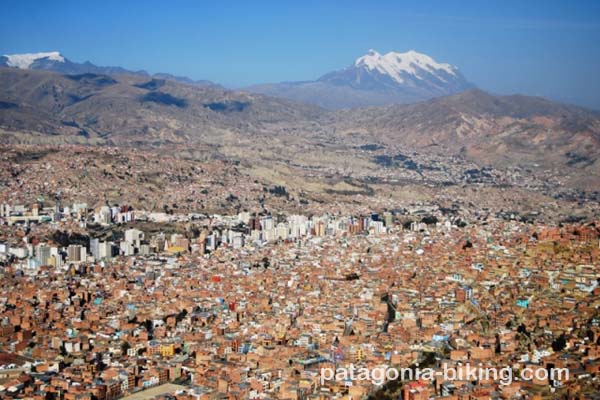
x,y
110,301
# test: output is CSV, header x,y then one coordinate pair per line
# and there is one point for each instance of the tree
x,y
124,347
560,343
182,314
430,220
523,330
149,326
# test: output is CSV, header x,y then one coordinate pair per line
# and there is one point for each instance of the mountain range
x,y
372,80
55,61
40,105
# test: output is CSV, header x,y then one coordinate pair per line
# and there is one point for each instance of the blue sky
x,y
548,48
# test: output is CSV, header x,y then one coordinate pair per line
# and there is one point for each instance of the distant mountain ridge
x,y
56,62
132,110
373,80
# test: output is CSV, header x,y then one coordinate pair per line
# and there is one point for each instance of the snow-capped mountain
x,y
410,71
55,61
376,79
26,61
410,63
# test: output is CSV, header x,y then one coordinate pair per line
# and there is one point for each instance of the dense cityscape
x,y
253,305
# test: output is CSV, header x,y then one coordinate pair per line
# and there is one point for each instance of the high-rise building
x,y
202,241
127,249
106,250
103,216
282,231
134,237
236,239
211,242
42,253
145,250
56,258
4,210
76,253
95,248
320,228
388,219
267,222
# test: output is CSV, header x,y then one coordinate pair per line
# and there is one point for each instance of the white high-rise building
x,y
4,210
105,250
127,249
95,248
267,223
134,237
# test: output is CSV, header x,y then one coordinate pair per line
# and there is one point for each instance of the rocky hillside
x,y
40,106
129,110
485,128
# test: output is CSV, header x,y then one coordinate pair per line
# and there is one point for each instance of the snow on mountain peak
x,y
24,61
395,64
